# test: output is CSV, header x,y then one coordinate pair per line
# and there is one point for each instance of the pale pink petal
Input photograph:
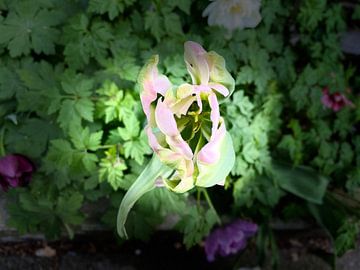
x,y
178,145
210,153
195,48
196,62
219,88
165,119
215,113
326,100
146,101
161,84
153,142
151,83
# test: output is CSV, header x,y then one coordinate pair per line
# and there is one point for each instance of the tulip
x,y
15,170
233,14
335,101
184,127
230,239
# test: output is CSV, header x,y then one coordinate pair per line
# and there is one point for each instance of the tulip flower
x,y
335,101
15,170
233,14
185,130
230,239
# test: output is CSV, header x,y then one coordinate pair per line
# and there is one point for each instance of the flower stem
x,y
207,197
2,147
198,198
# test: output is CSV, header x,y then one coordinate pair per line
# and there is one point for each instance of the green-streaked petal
x,y
218,71
196,63
213,174
151,83
180,185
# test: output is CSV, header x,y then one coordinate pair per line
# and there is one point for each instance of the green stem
x,y
2,147
106,146
207,197
69,231
198,197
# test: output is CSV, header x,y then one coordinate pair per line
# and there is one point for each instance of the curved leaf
x,y
144,183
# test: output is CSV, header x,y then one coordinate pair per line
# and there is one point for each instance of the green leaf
x,y
250,152
60,152
311,13
112,7
68,207
27,27
137,148
35,132
85,108
154,23
173,24
144,183
183,5
132,128
84,39
68,116
112,169
83,140
301,181
196,224
10,83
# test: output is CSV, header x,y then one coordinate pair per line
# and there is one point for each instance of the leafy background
x,y
68,100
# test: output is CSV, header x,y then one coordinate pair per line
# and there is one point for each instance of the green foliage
x,y
113,7
196,224
347,235
301,181
30,26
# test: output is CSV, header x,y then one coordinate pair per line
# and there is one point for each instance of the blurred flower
x,y
233,14
184,125
335,101
15,170
230,239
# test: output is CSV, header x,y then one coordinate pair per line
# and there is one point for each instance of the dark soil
x,y
163,251
298,250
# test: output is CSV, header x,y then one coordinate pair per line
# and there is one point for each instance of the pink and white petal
x,y
181,107
151,83
183,179
326,101
210,152
196,62
215,113
184,90
162,84
219,88
178,145
153,142
165,119
146,101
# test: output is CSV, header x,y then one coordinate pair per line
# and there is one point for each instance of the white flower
x,y
233,14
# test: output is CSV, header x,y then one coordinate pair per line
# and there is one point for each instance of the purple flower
x,y
335,101
229,239
15,170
